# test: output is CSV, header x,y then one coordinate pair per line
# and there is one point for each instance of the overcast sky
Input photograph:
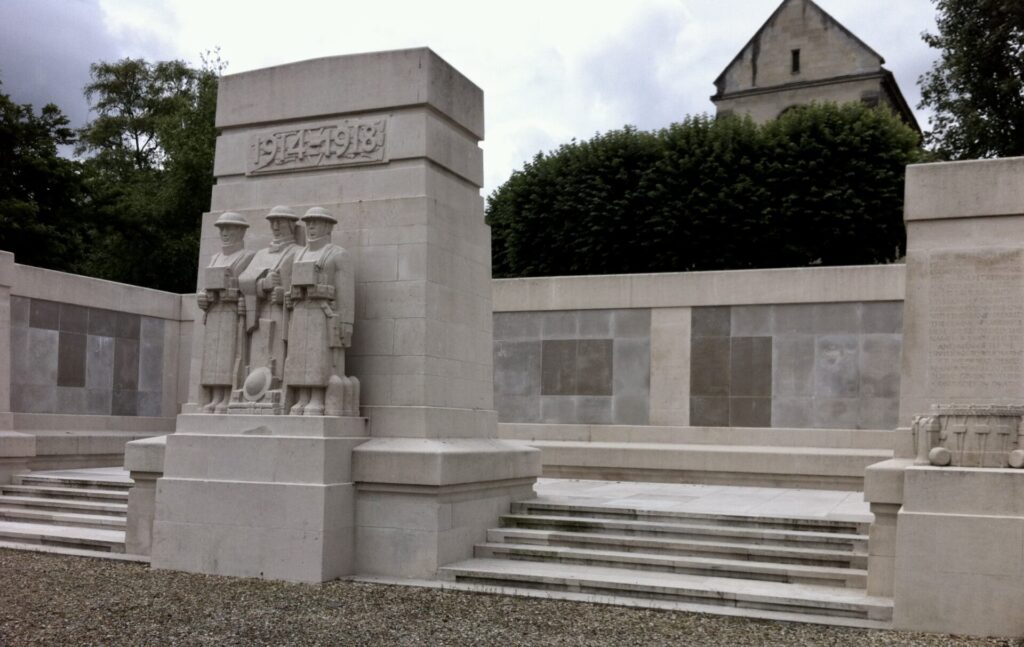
x,y
551,70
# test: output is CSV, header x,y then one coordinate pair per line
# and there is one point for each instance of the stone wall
x,y
85,366
834,365
82,346
573,366
80,360
793,348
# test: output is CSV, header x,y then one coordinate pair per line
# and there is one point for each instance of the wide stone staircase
x,y
807,569
74,511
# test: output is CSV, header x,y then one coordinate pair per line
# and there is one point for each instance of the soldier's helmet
x,y
231,219
282,212
319,213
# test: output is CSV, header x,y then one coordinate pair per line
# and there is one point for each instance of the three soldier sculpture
x,y
277,321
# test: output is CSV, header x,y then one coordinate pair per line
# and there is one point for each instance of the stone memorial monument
x,y
948,534
263,285
386,311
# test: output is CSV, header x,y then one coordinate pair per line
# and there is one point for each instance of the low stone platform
x,y
824,459
836,505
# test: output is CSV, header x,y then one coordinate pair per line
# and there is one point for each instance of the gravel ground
x,y
57,600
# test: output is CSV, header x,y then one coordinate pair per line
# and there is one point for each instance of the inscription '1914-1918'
x,y
351,141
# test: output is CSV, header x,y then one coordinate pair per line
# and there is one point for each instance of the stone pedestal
x,y
959,544
144,460
258,496
883,488
423,503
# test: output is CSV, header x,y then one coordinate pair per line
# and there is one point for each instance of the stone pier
x,y
388,144
948,534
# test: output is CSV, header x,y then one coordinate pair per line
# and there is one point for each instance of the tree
x,y
569,212
823,184
150,169
976,87
41,193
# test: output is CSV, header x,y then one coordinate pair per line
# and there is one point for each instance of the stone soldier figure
x,y
264,284
223,315
322,305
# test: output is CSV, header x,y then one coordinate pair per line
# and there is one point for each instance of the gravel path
x,y
57,600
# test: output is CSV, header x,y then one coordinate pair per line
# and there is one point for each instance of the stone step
x,y
49,480
813,524
705,591
88,494
681,547
66,536
707,566
681,530
825,468
66,505
669,435
75,552
29,515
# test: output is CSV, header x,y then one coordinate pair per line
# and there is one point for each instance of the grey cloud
x,y
45,51
46,47
624,73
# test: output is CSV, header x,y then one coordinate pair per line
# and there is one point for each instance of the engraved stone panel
x,y
517,368
594,367
71,361
558,367
19,311
976,324
343,143
44,314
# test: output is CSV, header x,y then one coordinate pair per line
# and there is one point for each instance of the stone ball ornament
x,y
1016,458
940,456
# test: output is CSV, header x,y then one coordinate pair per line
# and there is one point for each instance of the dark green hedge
x,y
822,184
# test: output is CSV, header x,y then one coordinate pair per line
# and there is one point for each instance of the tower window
x,y
794,61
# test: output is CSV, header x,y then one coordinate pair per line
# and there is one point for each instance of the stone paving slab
x,y
724,499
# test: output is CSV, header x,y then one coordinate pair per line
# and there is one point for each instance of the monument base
x,y
258,496
960,537
423,503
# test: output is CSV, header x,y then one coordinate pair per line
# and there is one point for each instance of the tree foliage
x,y
150,169
130,209
41,193
822,184
976,87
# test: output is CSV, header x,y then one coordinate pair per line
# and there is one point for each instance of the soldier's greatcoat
x,y
322,297
264,307
221,342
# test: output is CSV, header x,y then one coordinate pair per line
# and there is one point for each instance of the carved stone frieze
x,y
970,436
341,143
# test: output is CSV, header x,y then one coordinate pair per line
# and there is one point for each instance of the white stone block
x,y
350,84
430,422
251,425
442,462
958,565
964,189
